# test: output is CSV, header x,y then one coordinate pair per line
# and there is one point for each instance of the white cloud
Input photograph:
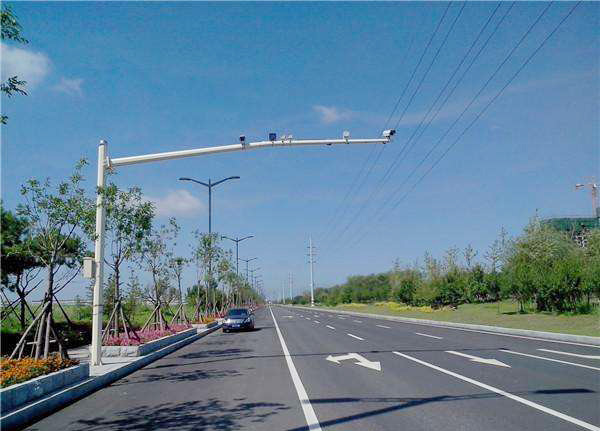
x,y
331,114
177,203
72,87
28,65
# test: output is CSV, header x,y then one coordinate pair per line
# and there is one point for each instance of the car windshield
x,y
238,312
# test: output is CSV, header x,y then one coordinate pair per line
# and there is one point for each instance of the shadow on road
x,y
210,414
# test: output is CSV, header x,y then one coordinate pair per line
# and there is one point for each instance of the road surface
x,y
352,374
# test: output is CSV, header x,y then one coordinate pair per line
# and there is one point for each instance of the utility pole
x,y
291,283
311,261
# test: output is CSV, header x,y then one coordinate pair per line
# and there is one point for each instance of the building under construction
x,y
578,227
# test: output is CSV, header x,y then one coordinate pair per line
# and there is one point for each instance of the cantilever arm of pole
x,y
225,179
193,180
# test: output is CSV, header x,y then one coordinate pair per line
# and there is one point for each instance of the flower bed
x,y
144,336
13,371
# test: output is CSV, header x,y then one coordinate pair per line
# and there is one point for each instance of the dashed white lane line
x,y
383,326
358,338
357,321
549,359
430,336
577,355
307,409
316,321
513,397
307,318
330,327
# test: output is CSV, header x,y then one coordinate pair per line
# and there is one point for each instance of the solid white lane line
x,y
357,321
383,326
430,336
330,327
358,338
577,355
316,321
309,413
549,359
504,393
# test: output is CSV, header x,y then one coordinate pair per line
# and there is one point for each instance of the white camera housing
x,y
389,133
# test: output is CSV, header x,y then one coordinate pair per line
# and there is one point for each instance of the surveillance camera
x,y
346,134
389,133
272,136
242,139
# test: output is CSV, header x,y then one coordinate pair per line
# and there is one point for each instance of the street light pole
x,y
237,241
209,185
247,261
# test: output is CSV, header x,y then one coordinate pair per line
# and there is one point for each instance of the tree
x,y
10,29
128,223
206,251
155,259
58,220
176,266
19,267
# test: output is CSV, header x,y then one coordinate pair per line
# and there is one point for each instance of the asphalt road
x,y
335,372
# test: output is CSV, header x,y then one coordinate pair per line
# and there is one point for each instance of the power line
x,y
496,96
387,175
417,88
362,170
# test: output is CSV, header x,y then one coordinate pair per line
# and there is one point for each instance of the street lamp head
x,y
185,179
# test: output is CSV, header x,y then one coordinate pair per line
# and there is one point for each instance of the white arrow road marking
x,y
383,326
358,338
513,397
550,359
480,360
577,355
430,336
330,327
362,361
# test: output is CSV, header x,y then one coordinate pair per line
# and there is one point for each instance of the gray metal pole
x,y
99,260
312,282
210,211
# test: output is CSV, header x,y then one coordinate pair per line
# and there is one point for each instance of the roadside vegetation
x,y
15,371
540,280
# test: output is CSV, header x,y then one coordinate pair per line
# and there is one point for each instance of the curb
x,y
544,336
43,407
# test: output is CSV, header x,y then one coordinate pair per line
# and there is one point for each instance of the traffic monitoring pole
x,y
105,162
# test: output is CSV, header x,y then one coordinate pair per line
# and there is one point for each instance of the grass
x,y
503,314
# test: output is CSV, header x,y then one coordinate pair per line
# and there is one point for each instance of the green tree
x,y
155,256
19,267
58,220
128,223
10,29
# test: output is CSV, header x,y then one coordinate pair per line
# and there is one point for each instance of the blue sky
x,y
152,77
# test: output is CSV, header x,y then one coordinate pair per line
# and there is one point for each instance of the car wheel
x,y
225,330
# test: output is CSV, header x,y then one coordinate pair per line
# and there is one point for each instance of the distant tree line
x,y
542,266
